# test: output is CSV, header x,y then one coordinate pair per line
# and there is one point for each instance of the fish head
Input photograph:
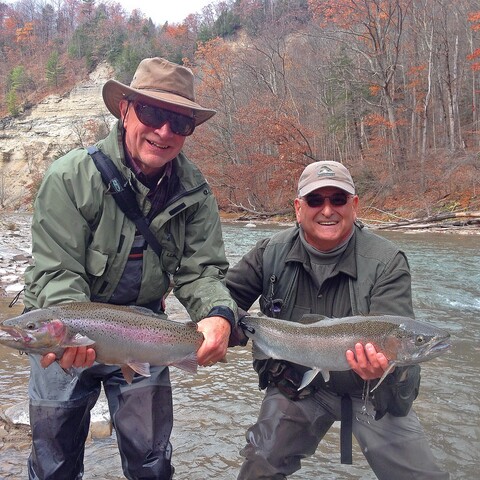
x,y
414,342
33,332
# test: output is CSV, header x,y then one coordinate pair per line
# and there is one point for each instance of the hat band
x,y
163,91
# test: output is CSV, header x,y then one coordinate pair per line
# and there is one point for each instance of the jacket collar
x,y
189,175
346,264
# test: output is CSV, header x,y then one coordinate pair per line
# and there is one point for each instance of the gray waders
x,y
288,431
60,405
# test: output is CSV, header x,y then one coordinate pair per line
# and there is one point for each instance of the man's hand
x,y
80,357
216,331
366,362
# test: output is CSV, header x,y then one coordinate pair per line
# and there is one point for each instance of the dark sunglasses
x,y
155,117
336,200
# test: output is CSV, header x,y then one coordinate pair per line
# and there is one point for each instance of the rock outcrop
x,y
30,142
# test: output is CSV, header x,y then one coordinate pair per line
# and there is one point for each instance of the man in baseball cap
x,y
329,266
325,174
326,206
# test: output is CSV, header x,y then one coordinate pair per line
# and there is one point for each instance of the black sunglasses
x,y
336,200
155,117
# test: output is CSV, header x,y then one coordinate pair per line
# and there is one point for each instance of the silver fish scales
x,y
132,337
320,343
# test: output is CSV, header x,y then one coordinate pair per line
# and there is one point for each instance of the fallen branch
x,y
433,220
258,213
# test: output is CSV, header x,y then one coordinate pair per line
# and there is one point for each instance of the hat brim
x,y
326,183
113,92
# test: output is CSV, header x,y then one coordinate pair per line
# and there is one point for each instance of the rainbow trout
x,y
320,343
129,336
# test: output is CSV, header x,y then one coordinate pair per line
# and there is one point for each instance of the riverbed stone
x,y
100,422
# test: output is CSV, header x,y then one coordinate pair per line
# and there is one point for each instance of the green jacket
x,y
372,277
81,239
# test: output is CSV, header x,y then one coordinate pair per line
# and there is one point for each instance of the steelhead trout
x,y
129,336
320,343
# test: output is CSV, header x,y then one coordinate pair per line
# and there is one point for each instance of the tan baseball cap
x,y
325,174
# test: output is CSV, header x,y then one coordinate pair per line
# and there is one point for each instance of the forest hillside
x,y
390,88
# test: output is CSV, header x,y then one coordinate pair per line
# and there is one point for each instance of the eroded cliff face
x,y
30,142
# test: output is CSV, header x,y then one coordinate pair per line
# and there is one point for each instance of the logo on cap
x,y
325,171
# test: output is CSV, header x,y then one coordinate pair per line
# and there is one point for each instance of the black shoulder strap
x,y
123,194
276,298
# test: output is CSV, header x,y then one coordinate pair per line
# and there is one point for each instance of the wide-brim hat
x,y
325,174
158,82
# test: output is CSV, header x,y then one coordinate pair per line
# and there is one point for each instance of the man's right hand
x,y
80,357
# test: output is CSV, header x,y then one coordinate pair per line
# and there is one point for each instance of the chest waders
x,y
142,413
277,302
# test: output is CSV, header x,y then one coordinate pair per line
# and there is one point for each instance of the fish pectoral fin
x,y
391,366
131,368
308,377
128,373
78,340
258,353
189,363
141,368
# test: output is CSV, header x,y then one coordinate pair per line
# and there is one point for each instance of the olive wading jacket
x,y
372,277
81,239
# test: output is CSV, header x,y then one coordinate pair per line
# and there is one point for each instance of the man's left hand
x,y
216,331
366,362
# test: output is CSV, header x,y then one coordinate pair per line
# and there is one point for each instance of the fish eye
x,y
30,326
420,340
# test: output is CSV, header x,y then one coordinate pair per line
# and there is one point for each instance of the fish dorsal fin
x,y
310,318
142,310
189,363
78,340
258,353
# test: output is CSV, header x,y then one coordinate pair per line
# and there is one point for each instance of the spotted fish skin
x,y
320,343
133,337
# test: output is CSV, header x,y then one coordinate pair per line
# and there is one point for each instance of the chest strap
x,y
123,194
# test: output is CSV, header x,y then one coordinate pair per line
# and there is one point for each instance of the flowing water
x,y
213,409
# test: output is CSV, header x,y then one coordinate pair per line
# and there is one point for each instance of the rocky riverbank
x,y
15,252
15,256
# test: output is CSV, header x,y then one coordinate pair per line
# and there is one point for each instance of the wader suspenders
x,y
123,194
346,421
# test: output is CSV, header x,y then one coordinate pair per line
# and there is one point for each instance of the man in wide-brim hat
x,y
162,95
85,249
160,83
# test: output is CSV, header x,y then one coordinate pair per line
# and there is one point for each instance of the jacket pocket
x,y
96,262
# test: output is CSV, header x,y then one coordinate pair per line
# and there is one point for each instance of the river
x,y
213,409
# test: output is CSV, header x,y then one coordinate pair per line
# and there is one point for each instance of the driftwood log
x,y
259,214
442,220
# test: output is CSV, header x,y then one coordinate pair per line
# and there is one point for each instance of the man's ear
x,y
298,206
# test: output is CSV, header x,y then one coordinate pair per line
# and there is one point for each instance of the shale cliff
x,y
30,142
